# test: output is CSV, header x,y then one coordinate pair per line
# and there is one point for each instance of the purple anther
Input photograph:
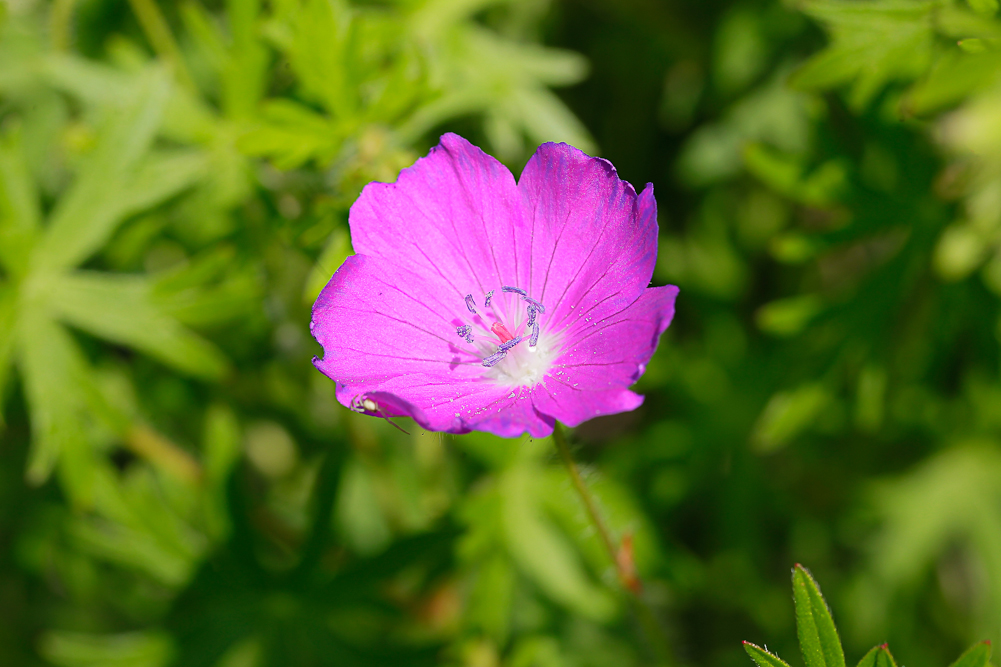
x,y
542,309
469,338
470,304
504,347
532,311
464,331
516,290
486,301
494,358
534,340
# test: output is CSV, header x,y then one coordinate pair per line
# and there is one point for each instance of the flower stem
x,y
623,565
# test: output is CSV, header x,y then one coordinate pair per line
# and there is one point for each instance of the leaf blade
x,y
818,637
763,658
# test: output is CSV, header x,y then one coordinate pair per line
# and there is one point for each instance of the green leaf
x,y
133,649
160,176
978,655
762,657
291,135
55,379
542,552
245,77
872,43
338,249
8,321
985,7
818,638
19,207
788,317
878,656
120,308
87,215
787,414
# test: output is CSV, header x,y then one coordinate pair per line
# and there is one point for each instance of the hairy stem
x,y
623,565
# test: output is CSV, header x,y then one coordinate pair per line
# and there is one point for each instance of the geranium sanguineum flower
x,y
478,303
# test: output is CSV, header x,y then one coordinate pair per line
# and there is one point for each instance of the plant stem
x,y
628,578
161,39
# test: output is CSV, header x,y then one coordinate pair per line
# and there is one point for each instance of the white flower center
x,y
525,366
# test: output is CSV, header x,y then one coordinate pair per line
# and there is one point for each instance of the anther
x,y
534,340
542,309
486,301
531,316
464,330
516,290
470,304
494,358
504,347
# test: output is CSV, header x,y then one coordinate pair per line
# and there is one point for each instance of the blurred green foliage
x,y
178,485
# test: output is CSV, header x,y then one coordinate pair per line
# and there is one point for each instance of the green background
x,y
178,485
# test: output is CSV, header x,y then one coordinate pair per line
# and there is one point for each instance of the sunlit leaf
x,y
818,638
978,655
54,378
120,309
878,656
88,214
762,657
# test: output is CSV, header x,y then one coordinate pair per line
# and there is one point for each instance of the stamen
x,y
494,358
465,331
542,309
501,332
516,290
486,301
470,304
534,340
504,347
531,316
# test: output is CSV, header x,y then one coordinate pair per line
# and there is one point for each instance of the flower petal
x,y
592,377
387,338
451,218
593,241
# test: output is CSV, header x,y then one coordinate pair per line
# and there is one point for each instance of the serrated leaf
x,y
121,309
871,45
818,638
291,135
87,215
762,657
978,655
878,656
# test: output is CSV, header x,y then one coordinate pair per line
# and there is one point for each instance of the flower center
x,y
507,337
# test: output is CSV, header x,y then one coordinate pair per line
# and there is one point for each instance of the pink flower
x,y
475,302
